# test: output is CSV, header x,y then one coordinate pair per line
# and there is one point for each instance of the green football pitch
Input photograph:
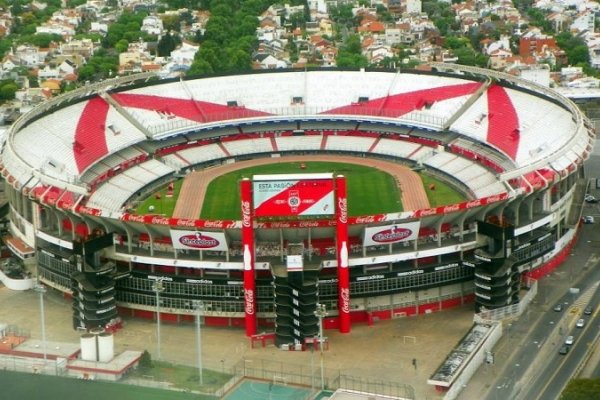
x,y
370,190
24,386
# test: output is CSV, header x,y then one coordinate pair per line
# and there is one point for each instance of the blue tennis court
x,y
257,390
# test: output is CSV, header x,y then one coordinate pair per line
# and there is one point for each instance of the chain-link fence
x,y
310,376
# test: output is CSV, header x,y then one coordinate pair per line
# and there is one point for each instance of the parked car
x,y
590,198
588,310
569,340
558,307
580,323
564,349
588,219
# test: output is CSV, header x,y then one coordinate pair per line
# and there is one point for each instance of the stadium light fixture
x,y
41,290
320,313
199,307
158,288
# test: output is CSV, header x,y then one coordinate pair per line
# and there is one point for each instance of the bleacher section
x,y
114,193
298,143
195,155
248,146
349,143
395,148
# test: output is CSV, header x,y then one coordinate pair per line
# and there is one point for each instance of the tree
x,y
167,44
8,90
121,46
145,363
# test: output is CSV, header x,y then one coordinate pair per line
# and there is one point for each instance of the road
x,y
531,343
560,368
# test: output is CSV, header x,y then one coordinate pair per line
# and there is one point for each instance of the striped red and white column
x,y
342,254
248,256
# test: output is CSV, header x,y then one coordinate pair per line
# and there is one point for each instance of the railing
x,y
511,311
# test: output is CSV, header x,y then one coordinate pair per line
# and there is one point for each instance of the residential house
x,y
152,25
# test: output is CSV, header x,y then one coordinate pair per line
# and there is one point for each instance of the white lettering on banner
x,y
186,222
413,272
206,281
343,206
246,214
493,199
249,298
308,224
135,218
199,241
473,203
444,267
427,211
332,280
392,235
370,278
159,278
345,297
160,221
365,220
213,224
451,208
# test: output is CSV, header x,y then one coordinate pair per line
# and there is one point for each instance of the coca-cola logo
x,y
392,235
308,224
135,218
365,220
213,224
427,211
249,300
451,208
493,199
185,222
199,241
159,221
343,210
473,203
246,216
345,298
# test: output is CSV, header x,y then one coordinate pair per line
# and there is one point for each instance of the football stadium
x,y
278,200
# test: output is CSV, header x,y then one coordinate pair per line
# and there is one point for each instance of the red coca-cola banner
x,y
342,254
248,257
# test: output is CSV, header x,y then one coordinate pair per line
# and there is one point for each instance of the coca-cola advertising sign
x,y
249,301
345,300
246,214
196,240
391,233
343,210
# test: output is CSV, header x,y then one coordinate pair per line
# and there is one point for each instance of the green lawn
x,y
17,385
184,377
443,194
370,191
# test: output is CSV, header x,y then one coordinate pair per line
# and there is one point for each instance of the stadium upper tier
x,y
531,127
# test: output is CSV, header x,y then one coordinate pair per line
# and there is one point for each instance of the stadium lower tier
x,y
286,300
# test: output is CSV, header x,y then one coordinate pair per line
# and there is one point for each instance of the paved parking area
x,y
383,351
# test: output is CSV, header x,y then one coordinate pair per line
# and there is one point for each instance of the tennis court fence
x,y
310,377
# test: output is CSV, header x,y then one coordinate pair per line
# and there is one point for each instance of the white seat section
x,y
396,148
57,132
175,162
294,143
109,197
196,155
17,169
349,143
473,122
439,160
248,146
119,132
490,190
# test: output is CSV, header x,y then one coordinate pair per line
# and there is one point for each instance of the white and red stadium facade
x,y
76,165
